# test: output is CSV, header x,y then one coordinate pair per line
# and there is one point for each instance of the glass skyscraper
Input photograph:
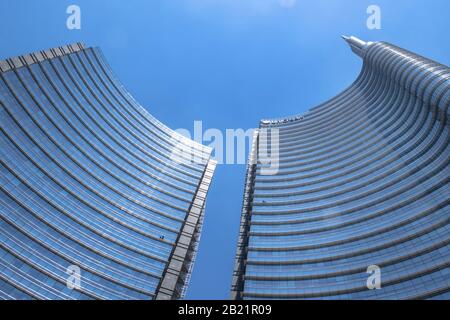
x,y
98,199
361,191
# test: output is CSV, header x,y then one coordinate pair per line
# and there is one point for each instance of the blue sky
x,y
228,63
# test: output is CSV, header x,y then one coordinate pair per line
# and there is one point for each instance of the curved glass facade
x,y
91,183
362,181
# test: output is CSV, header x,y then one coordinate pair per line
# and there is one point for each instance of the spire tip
x,y
358,46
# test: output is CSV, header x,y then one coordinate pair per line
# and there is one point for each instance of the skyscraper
x,y
98,199
358,207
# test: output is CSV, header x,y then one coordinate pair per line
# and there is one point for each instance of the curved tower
x,y
98,199
358,207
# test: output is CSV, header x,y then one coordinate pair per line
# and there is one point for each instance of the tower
x,y
362,184
98,199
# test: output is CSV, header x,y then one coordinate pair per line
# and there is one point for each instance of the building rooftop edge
x,y
357,45
38,56
42,55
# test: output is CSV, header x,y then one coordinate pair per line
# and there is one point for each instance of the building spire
x,y
358,46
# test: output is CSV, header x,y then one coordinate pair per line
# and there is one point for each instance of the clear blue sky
x,y
228,63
